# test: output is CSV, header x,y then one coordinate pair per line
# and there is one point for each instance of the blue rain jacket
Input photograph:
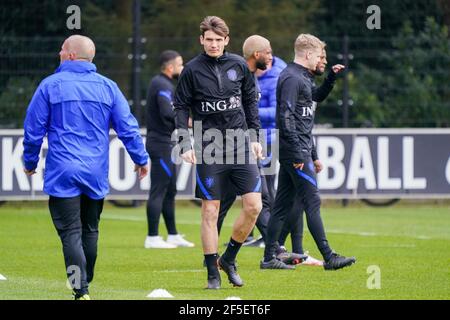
x,y
74,107
268,102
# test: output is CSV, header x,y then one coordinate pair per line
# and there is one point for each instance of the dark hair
x,y
166,57
215,24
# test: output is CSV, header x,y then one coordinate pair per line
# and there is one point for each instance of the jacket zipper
x,y
219,78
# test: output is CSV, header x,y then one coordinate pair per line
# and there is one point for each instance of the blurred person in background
x,y
163,176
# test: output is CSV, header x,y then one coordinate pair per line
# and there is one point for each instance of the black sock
x,y
279,249
211,263
270,251
232,250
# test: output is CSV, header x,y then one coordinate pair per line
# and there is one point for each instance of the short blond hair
x,y
254,44
305,42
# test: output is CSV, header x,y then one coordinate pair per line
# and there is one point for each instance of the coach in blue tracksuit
x,y
74,107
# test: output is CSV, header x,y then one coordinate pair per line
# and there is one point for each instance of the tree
x,y
415,90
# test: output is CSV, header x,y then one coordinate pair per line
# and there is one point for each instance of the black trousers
x,y
267,195
301,185
293,224
76,221
162,193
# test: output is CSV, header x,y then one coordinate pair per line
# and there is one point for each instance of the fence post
x,y
136,68
345,93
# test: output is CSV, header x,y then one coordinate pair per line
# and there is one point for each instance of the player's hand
x,y
189,156
29,172
318,166
337,68
257,150
141,170
299,165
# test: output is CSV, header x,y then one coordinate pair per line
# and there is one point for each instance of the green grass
x,y
409,243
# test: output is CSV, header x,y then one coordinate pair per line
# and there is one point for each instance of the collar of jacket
x,y
76,66
222,58
165,76
278,65
304,70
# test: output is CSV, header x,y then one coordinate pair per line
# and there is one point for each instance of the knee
x,y
210,213
253,208
313,202
315,199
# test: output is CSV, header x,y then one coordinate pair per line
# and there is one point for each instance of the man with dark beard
x,y
160,125
257,52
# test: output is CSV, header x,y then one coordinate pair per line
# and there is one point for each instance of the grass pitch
x,y
409,243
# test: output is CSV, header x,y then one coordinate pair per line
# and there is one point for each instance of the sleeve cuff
x,y
331,76
254,135
29,165
144,163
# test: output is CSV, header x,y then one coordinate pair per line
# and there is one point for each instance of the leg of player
x,y
168,211
288,226
251,207
284,201
158,189
90,217
209,235
306,184
226,202
66,218
264,216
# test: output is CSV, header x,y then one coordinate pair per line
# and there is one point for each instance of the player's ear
x,y
226,40
201,39
171,67
308,54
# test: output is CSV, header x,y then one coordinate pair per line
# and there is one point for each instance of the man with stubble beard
x,y
294,221
297,176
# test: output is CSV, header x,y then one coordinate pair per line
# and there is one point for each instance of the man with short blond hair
x,y
297,177
294,222
307,42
